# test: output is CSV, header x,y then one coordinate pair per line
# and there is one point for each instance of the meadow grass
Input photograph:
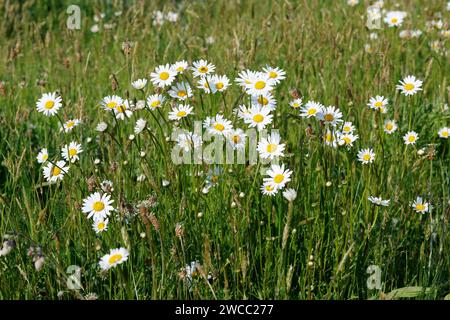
x,y
240,237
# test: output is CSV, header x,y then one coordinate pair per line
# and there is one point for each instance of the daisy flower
x,y
221,83
188,141
389,126
331,138
139,84
444,132
269,188
181,91
201,68
70,152
217,125
140,126
111,102
410,137
347,139
420,206
296,103
410,85
236,137
278,176
163,76
270,147
180,112
258,117
114,258
378,103
378,201
276,74
53,173
180,66
42,156
49,104
123,110
366,156
347,127
101,126
100,225
266,101
243,112
97,205
260,85
70,124
330,115
155,101
245,78
207,84
311,109
394,18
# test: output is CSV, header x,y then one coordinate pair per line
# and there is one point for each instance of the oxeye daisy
x,y
330,138
181,91
394,18
221,83
410,85
123,110
111,102
101,126
296,103
180,112
267,101
311,109
100,225
155,101
236,137
243,112
217,125
330,115
347,127
53,173
49,104
378,201
444,133
97,205
42,156
378,103
114,258
245,78
420,205
70,152
163,76
276,74
260,85
347,139
201,68
207,84
366,156
258,117
180,66
140,126
70,124
139,84
278,175
389,126
188,141
269,188
270,147
410,137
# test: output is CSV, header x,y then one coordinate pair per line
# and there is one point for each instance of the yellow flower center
x,y
121,108
155,103
346,129
278,178
247,81
49,104
347,140
269,187
328,137
115,258
72,152
236,139
219,127
409,86
271,147
180,69
378,104
182,93
329,117
219,85
45,157
56,171
262,100
296,105
312,111
111,104
260,85
258,118
394,20
70,124
181,114
101,225
203,69
444,133
98,206
366,157
273,74
420,207
164,75
389,126
411,138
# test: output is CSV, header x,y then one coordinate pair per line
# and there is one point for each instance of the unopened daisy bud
x,y
200,214
131,137
205,190
294,231
125,162
328,184
101,127
310,263
241,195
142,235
165,183
97,161
290,194
142,154
167,139
89,139
233,204
421,152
